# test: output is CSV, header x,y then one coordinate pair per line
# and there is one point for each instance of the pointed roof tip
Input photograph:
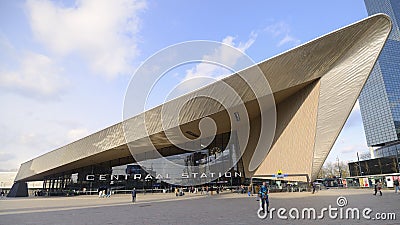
x,y
381,26
382,17
377,17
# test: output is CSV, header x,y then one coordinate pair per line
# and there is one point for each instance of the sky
x,y
65,65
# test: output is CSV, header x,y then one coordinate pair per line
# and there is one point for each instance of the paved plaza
x,y
226,208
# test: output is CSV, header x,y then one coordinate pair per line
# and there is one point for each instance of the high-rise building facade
x,y
380,98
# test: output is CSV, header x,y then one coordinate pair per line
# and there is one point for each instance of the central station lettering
x,y
104,177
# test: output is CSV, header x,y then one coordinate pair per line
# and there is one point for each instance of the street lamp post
x,y
397,160
340,170
359,165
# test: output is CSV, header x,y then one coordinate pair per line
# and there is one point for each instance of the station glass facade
x,y
129,174
385,165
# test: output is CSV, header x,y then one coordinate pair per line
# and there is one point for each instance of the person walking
x,y
108,192
263,194
314,186
378,187
396,185
134,195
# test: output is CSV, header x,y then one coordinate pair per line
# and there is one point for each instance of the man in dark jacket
x,y
134,195
263,194
396,185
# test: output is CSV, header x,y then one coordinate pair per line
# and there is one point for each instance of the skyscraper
x,y
380,98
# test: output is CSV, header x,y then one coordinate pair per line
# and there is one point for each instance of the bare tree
x,y
332,169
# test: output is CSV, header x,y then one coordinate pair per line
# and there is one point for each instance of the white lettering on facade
x,y
138,176
102,177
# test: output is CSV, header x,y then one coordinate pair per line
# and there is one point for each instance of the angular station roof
x,y
315,87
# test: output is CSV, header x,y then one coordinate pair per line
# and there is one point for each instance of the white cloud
x,y
22,140
76,134
5,44
229,40
222,54
282,31
27,138
36,75
278,28
206,72
101,32
288,39
352,148
6,156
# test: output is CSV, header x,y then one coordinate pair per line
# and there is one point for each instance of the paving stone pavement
x,y
226,208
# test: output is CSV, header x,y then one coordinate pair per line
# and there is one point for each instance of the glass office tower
x,y
380,98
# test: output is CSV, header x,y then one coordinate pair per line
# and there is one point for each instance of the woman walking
x,y
378,187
